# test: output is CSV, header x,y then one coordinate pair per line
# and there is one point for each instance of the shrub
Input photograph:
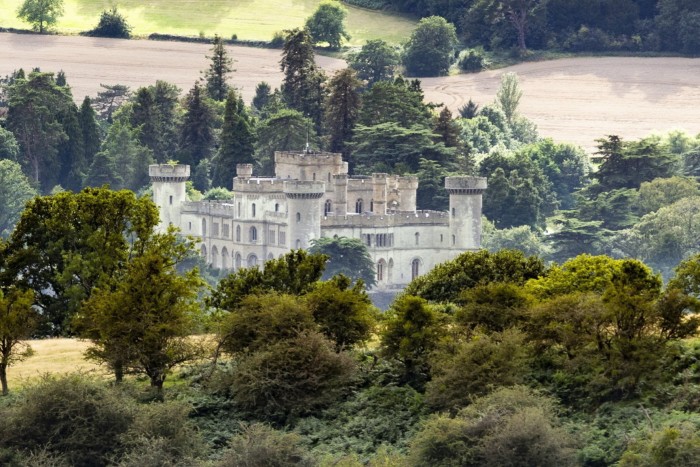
x,y
112,24
473,60
278,39
260,445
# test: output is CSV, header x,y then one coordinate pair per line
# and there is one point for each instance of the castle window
x,y
441,238
204,252
171,199
277,207
417,238
327,208
298,244
189,226
227,231
358,206
239,209
371,206
215,229
253,234
239,260
314,176
238,233
391,239
252,261
224,259
415,268
368,240
214,257
329,177
252,210
381,265
283,238
454,240
298,217
204,227
454,212
271,236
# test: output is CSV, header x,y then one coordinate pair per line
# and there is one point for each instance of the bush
x,y
259,445
473,60
278,39
112,24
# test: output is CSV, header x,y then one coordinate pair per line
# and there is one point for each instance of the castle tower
x,y
340,183
465,211
304,211
379,193
168,182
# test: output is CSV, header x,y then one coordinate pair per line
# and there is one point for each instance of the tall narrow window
x,y
358,206
298,217
238,233
204,227
252,210
327,207
417,238
253,234
415,268
171,199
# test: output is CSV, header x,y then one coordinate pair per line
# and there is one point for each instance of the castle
x,y
312,196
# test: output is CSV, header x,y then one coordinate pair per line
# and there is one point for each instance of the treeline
x,y
574,25
489,359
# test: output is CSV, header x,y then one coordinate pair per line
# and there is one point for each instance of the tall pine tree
x,y
219,68
237,141
91,132
342,108
197,130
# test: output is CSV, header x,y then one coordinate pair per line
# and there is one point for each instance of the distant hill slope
x,y
576,100
251,20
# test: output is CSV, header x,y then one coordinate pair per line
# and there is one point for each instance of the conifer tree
x,y
447,128
302,85
91,132
196,133
262,95
237,140
219,68
342,108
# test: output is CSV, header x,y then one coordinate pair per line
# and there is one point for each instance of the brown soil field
x,y
571,100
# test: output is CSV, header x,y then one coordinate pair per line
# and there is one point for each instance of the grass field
x,y
248,19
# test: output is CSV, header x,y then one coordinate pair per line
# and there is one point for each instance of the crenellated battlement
x,y
465,185
298,189
392,219
258,185
169,172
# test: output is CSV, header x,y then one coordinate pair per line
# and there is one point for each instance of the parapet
x,y
465,185
169,172
244,170
297,189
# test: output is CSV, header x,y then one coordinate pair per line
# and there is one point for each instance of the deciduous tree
x,y
18,321
346,256
15,191
430,49
41,14
376,61
326,24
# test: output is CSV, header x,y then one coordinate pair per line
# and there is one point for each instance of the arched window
x,y
415,268
252,260
203,250
238,233
358,206
327,208
417,238
270,256
204,227
381,271
454,240
298,217
214,257
298,244
252,210
225,264
239,260
253,234
277,207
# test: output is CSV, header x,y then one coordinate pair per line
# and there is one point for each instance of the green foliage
x,y
473,60
344,314
197,130
474,367
512,426
446,281
326,24
522,238
346,256
342,108
398,101
154,113
430,49
260,445
376,61
235,143
291,378
218,194
493,307
15,191
112,24
509,95
141,318
219,68
65,244
662,192
18,321
41,14
262,95
668,446
9,149
283,130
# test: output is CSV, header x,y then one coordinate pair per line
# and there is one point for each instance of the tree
x,y
35,106
302,85
508,95
429,51
285,130
236,141
17,323
67,243
326,24
219,68
15,191
519,13
662,192
112,24
346,256
376,61
258,444
9,149
42,14
446,281
446,128
154,114
342,108
397,101
108,101
91,132
262,95
140,320
197,129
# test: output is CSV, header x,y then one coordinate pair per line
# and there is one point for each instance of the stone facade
x,y
312,196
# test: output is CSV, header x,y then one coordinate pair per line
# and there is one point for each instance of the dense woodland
x,y
553,346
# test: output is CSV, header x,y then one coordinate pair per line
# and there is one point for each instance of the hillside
x,y
576,100
257,20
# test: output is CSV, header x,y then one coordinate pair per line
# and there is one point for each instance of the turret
x,y
379,193
465,211
169,192
304,211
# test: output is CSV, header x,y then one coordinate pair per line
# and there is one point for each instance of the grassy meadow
x,y
248,19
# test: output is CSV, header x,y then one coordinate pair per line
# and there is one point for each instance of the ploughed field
x,y
571,100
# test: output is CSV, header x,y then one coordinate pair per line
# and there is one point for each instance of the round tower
x,y
465,211
168,182
304,211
